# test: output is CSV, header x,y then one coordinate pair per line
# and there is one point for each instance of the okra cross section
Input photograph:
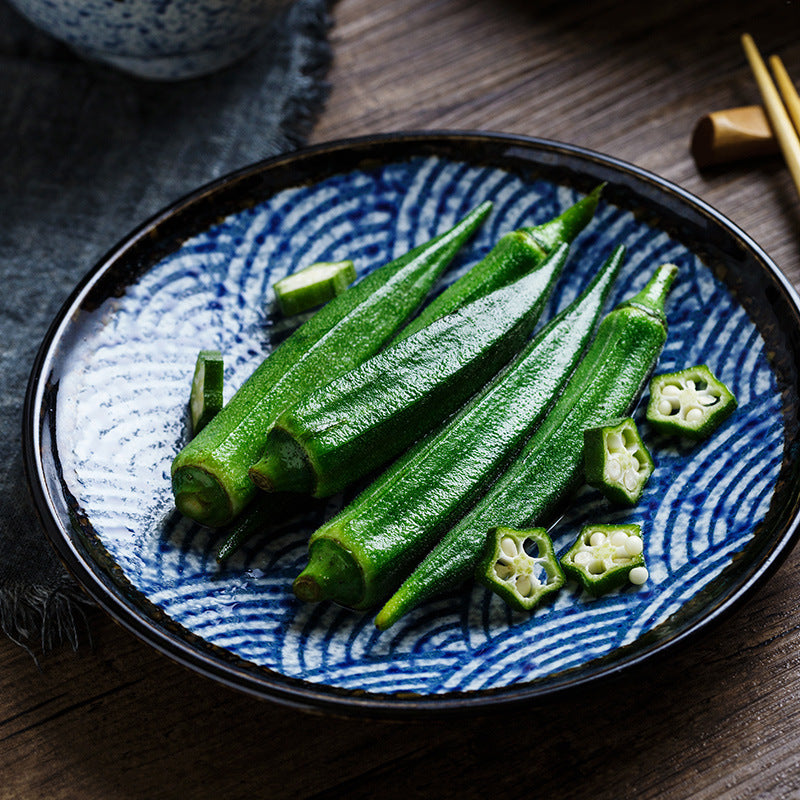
x,y
691,402
616,460
605,557
522,578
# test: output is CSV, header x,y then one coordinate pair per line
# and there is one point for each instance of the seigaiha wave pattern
x,y
122,418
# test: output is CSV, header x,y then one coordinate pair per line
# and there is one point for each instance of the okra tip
x,y
651,298
332,574
567,225
201,497
386,617
284,467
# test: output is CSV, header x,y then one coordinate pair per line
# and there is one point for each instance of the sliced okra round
x,y
605,557
691,402
205,398
616,461
521,566
313,285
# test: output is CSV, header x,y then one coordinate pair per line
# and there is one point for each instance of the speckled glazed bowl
x,y
158,39
106,414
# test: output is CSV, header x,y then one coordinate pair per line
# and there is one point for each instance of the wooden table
x,y
719,720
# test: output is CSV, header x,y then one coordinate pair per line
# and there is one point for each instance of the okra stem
x,y
514,255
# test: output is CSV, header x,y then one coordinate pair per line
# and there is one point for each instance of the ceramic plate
x,y
106,413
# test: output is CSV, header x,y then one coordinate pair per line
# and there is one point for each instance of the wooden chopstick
x,y
787,90
785,132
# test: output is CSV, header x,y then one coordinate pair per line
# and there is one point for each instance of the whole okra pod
x,y
605,385
361,555
210,478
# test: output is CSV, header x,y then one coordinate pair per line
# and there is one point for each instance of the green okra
x,y
692,402
364,418
616,461
210,478
205,397
605,385
361,555
606,557
313,285
514,255
521,567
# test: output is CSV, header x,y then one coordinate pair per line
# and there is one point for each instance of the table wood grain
x,y
720,719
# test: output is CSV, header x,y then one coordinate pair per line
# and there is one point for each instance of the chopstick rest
x,y
732,134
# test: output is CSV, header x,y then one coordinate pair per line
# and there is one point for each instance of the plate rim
x,y
300,693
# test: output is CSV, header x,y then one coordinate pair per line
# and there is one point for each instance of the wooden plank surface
x,y
719,719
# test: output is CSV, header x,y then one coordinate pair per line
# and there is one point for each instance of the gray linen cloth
x,y
86,154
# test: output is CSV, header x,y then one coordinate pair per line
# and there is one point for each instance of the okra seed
x,y
582,557
524,585
665,408
619,538
596,567
634,545
638,575
631,480
694,415
615,443
614,470
597,538
508,546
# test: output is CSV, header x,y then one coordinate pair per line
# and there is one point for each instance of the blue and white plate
x,y
106,413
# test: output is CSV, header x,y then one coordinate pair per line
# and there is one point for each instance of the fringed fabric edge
x,y
303,108
41,618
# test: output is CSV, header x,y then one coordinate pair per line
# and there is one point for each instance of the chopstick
x,y
785,86
785,132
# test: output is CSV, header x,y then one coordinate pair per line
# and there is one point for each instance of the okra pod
x,y
313,285
514,255
210,478
361,555
372,413
205,397
605,385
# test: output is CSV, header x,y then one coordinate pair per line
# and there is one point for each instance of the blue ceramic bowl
x,y
159,39
106,413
